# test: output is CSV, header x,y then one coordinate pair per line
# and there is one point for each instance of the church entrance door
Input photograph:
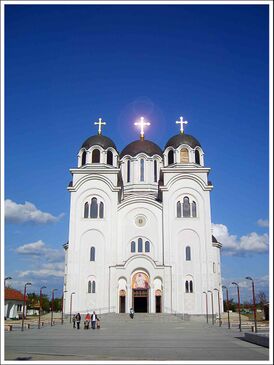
x,y
122,301
158,304
140,300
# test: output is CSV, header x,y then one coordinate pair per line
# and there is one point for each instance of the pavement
x,y
152,337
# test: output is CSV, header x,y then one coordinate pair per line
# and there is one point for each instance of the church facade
x,y
140,229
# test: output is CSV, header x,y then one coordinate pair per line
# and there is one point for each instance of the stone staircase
x,y
140,317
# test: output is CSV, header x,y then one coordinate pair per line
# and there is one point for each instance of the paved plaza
x,y
146,337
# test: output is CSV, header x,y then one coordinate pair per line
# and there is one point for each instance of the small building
x,y
14,301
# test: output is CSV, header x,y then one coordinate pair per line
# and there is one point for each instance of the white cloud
x,y
263,222
232,245
21,213
39,249
44,272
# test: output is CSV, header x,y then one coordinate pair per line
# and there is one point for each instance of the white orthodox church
x,y
140,228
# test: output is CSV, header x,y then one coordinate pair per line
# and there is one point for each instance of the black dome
x,y
148,147
99,140
182,138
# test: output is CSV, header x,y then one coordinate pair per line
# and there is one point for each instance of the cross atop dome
x,y
142,124
181,122
100,123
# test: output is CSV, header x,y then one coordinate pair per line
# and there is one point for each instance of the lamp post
x,y
7,278
40,305
52,306
62,320
239,309
219,310
212,309
204,292
70,306
228,319
23,315
254,302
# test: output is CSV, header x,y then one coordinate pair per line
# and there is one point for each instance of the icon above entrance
x,y
140,292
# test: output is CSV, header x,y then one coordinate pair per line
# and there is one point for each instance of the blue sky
x,y
66,65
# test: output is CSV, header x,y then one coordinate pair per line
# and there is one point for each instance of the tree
x,y
231,305
262,299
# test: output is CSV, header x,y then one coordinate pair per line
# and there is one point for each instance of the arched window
x,y
179,210
109,158
86,210
84,156
147,246
92,253
95,156
132,246
140,245
89,287
170,157
142,170
93,287
190,286
194,210
128,170
197,157
155,171
101,210
186,286
184,157
188,253
186,207
94,208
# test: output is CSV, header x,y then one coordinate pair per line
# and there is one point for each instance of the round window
x,y
140,221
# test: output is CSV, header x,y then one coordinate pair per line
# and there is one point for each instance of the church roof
x,y
13,294
182,138
145,146
99,140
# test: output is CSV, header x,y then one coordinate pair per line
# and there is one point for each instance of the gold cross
x,y
181,122
142,124
100,123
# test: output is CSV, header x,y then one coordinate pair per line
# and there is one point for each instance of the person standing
x,y
74,321
131,313
78,320
87,321
93,320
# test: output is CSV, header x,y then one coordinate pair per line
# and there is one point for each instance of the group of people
x,y
91,321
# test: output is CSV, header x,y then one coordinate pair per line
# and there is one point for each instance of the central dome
x,y
145,146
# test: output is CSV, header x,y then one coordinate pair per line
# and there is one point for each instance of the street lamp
x,y
8,278
70,306
62,320
40,305
219,310
204,292
23,315
239,309
254,302
227,307
212,306
52,305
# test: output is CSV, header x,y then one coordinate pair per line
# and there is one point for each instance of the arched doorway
x,y
122,301
158,301
140,292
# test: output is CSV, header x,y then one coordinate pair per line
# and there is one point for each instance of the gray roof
x,y
99,140
145,146
179,139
